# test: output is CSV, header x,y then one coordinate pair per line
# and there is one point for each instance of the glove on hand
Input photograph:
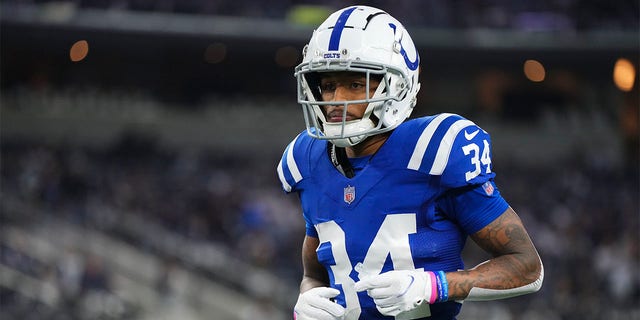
x,y
400,290
315,304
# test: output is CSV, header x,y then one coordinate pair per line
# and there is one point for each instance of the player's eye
x,y
356,85
327,87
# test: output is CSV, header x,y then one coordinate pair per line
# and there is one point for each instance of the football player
x,y
389,203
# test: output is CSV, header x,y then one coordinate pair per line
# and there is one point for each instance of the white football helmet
x,y
359,39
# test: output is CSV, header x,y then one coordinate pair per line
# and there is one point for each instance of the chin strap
x,y
355,132
340,161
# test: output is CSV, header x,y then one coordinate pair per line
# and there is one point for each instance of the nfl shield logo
x,y
488,188
349,194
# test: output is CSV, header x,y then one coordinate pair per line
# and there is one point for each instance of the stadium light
x,y
624,74
534,70
79,50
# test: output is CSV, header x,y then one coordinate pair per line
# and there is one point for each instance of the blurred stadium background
x,y
139,141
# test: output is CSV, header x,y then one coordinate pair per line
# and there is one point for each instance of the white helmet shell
x,y
360,39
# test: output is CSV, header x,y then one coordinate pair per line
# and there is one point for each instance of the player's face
x,y
345,86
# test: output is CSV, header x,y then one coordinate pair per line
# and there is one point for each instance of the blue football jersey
x,y
411,206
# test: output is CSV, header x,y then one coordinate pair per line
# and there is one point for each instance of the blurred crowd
x,y
74,286
583,215
205,197
567,15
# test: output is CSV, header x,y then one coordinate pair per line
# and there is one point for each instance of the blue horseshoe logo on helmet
x,y
413,65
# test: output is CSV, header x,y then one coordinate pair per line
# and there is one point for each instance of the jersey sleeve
x,y
464,156
294,167
473,207
294,164
458,152
453,148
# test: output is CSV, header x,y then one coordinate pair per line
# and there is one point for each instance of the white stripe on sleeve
x,y
291,162
285,185
293,167
423,141
442,156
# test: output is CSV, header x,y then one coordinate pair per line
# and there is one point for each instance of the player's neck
x,y
367,147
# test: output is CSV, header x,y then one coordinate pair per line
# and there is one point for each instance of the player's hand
x,y
315,304
400,290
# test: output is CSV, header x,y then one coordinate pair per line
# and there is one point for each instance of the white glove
x,y
315,304
400,290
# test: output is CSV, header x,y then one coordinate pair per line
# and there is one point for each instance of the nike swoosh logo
x,y
471,135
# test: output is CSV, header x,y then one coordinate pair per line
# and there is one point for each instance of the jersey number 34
x,y
477,158
392,240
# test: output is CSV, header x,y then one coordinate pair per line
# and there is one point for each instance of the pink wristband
x,y
434,287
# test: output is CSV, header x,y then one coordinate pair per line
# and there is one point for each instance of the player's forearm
x,y
515,269
314,274
501,277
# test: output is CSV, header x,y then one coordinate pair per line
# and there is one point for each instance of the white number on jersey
x,y
477,159
392,240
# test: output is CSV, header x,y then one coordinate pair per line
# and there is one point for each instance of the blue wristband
x,y
443,286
